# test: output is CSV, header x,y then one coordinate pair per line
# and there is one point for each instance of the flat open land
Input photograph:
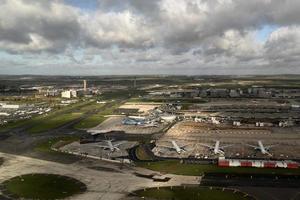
x,y
42,186
54,119
99,114
51,123
191,193
112,184
175,167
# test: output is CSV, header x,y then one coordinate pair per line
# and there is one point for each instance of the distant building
x,y
69,94
218,93
168,118
84,85
74,93
51,93
66,94
69,101
203,93
234,93
11,106
286,123
4,114
134,83
236,123
262,124
214,120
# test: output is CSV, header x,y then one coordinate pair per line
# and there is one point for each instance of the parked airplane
x,y
152,124
110,145
263,149
175,146
216,149
141,121
133,121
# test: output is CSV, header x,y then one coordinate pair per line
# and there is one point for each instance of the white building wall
x,y
66,94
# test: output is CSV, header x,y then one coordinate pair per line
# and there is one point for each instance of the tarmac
x,y
285,144
114,123
94,150
101,184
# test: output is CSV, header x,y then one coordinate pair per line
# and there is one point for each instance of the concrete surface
x,y
107,185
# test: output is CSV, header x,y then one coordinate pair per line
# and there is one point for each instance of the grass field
x,y
46,145
175,167
67,114
59,117
12,125
43,149
35,122
167,99
122,94
63,115
99,117
90,122
141,154
92,106
43,186
190,193
54,122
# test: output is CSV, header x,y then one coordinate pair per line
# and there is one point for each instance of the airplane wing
x,y
166,147
182,147
98,144
225,146
119,143
206,145
252,146
102,146
270,146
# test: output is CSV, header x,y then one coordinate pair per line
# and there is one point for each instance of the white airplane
x,y
152,124
217,149
110,146
263,149
175,146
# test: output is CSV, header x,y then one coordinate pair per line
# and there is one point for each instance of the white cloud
x,y
283,47
123,29
129,35
34,26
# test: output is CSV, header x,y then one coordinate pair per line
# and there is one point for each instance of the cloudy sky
x,y
103,37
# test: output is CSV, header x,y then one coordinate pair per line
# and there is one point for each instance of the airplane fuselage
x,y
176,147
217,147
262,148
110,145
